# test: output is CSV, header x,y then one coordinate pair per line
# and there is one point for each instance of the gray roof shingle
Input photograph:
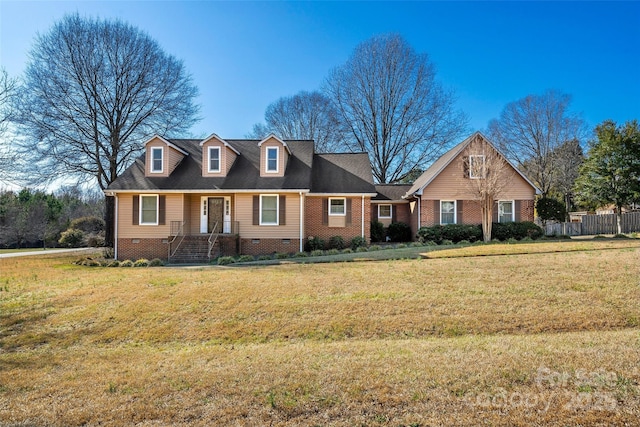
x,y
322,173
391,192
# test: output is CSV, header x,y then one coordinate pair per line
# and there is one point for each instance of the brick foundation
x,y
134,249
269,246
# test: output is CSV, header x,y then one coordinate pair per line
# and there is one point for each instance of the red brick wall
x,y
471,212
527,210
134,249
313,226
268,246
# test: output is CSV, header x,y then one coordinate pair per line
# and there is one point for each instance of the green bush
x,y
377,231
264,257
88,224
362,249
347,251
446,242
71,238
337,242
358,242
516,230
374,248
246,258
114,263
464,242
401,246
399,232
142,262
126,263
156,262
317,252
551,209
314,244
301,255
226,260
282,255
95,241
453,232
511,240
333,251
620,236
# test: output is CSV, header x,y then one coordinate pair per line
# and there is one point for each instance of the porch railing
x,y
177,233
212,239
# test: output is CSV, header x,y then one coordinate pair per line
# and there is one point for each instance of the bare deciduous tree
x,y
530,129
568,158
391,106
8,88
94,91
306,115
489,175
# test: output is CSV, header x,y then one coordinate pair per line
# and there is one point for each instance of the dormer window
x,y
214,159
272,159
157,154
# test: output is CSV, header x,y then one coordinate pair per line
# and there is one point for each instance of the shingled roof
x,y
391,192
318,173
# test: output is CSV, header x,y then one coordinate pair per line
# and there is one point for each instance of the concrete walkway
x,y
52,251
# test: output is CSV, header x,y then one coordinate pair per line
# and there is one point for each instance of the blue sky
x,y
245,55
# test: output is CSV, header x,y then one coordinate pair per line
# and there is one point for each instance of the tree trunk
x,y
619,219
109,216
487,219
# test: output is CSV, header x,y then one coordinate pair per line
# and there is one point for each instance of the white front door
x,y
227,215
204,214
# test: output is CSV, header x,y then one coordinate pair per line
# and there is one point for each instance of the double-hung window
x,y
214,159
505,211
337,206
447,212
156,159
272,159
476,166
384,211
268,209
148,210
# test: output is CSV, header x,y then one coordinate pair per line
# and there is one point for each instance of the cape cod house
x,y
190,200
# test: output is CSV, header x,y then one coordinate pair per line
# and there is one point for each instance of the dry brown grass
x,y
546,339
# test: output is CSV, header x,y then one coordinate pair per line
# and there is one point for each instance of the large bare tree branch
x,y
530,129
391,106
94,91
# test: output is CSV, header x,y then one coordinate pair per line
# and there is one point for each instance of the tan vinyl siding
x,y
170,158
244,215
126,229
451,184
227,157
283,157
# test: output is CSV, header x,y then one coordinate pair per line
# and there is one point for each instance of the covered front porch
x,y
207,230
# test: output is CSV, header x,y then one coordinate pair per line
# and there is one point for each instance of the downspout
x,y
115,229
419,210
362,217
301,221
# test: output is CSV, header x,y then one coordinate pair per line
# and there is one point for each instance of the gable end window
x,y
476,166
148,210
157,154
505,211
337,206
214,159
269,209
384,211
447,212
272,159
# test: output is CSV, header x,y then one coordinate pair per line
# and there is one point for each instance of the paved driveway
x,y
44,252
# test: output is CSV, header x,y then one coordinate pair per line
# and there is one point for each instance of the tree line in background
x,y
31,218
94,90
